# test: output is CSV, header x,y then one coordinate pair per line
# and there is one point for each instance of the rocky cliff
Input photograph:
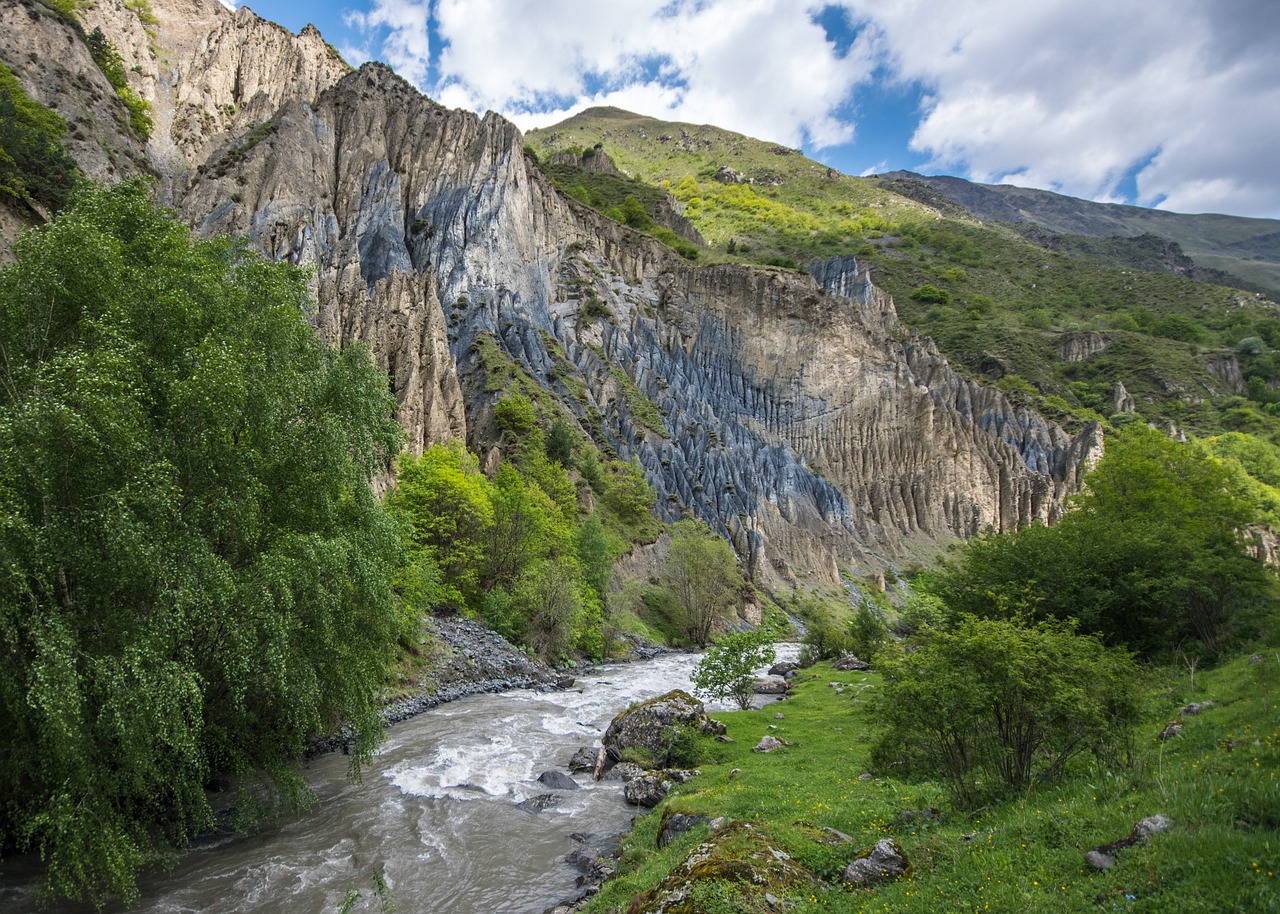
x,y
790,411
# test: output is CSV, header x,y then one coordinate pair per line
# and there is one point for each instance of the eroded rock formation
x,y
792,412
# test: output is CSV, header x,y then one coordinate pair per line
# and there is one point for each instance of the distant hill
x,y
1248,249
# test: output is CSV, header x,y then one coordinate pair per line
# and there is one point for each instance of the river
x,y
436,814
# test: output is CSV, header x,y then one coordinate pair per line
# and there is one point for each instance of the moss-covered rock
x,y
737,863
653,728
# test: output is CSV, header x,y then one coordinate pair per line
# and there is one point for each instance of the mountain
x,y
1246,249
1079,327
792,411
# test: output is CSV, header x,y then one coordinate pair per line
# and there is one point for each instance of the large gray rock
x,y
769,687
647,791
883,863
653,726
849,663
557,780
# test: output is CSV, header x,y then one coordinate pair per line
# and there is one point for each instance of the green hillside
x,y
1007,303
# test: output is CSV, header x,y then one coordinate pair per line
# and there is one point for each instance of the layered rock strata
x,y
792,412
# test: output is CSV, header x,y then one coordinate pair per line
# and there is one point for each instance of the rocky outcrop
x,y
883,863
791,412
1078,345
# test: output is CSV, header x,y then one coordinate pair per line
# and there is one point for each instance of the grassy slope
x,y
1009,298
1219,780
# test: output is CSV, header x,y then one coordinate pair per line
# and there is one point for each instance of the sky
x,y
1173,104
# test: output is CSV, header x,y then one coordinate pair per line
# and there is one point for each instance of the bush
x,y
931,294
992,707
728,669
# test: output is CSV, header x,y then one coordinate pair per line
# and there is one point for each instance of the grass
x,y
1219,779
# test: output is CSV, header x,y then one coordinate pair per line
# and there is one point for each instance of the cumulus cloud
x,y
406,41
1180,99
762,67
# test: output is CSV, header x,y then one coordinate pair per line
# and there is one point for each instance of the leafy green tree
x,y
595,551
702,573
867,632
1151,556
560,443
727,670
447,504
991,706
197,578
35,166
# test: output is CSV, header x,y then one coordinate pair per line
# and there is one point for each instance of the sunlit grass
x,y
1219,779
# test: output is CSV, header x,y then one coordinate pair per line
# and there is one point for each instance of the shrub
x,y
992,706
728,669
931,294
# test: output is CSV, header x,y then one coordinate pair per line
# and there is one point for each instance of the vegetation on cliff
x,y
198,578
35,167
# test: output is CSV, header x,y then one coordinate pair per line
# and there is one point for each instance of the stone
x,y
849,663
779,716
652,726
783,667
769,743
1194,708
429,235
1170,731
676,824
583,760
736,853
769,687
1255,658
1099,860
883,863
625,771
1152,825
557,780
541,802
647,791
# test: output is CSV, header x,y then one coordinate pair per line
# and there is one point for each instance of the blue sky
x,y
1173,103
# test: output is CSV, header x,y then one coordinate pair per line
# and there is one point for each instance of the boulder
x,y
647,791
653,726
583,760
849,663
883,863
769,687
675,824
1152,825
760,871
625,771
557,780
540,802
782,668
1194,708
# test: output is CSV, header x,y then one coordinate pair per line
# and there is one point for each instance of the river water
x,y
436,815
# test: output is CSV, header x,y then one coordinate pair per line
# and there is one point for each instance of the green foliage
x,y
702,574
447,505
931,294
1151,556
867,632
111,64
560,441
197,576
35,166
990,706
727,670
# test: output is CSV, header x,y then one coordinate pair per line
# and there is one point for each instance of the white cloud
x,y
407,44
762,67
1075,95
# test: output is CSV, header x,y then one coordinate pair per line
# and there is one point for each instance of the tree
x,y
991,706
702,573
446,504
196,574
728,669
1151,555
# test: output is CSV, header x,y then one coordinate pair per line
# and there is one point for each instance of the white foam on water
x,y
466,771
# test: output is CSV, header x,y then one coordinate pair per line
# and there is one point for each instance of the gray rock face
x,y
883,863
653,726
791,412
